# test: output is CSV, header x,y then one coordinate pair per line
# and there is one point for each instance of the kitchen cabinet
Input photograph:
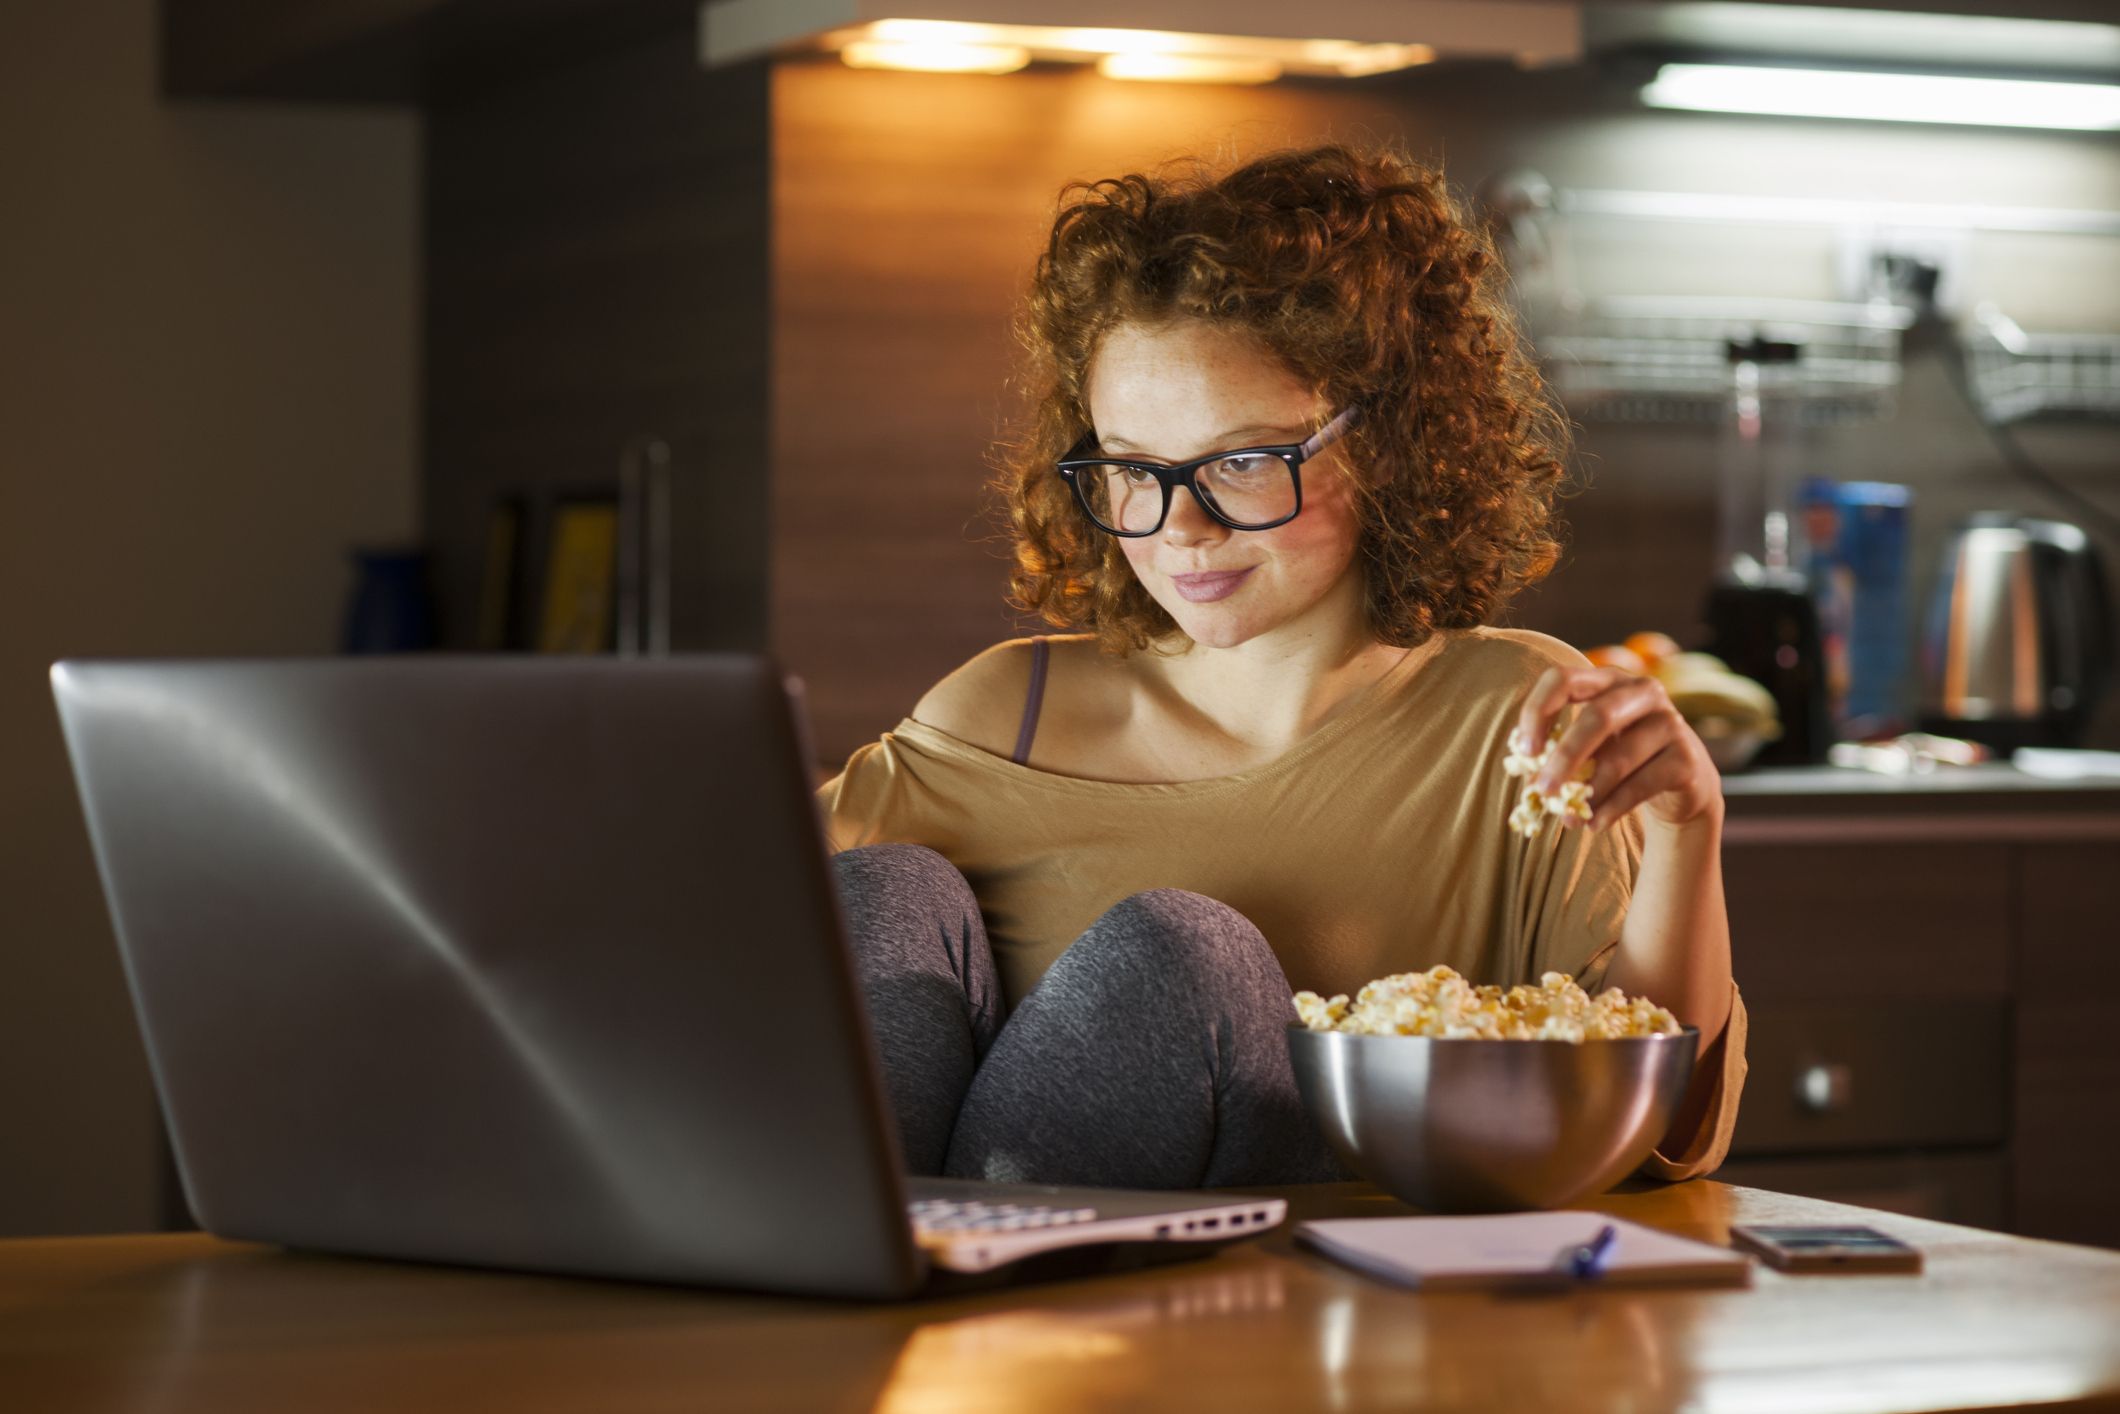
x,y
1970,1187
1922,966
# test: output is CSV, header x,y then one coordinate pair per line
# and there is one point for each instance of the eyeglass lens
x,y
1251,489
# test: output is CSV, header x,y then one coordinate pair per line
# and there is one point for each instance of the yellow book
x,y
579,571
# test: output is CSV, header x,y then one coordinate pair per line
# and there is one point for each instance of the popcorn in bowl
x,y
1441,1004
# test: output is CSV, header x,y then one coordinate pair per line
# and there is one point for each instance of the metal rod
x,y
658,458
629,556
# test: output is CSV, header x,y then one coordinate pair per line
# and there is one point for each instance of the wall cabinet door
x,y
2065,1145
1857,1075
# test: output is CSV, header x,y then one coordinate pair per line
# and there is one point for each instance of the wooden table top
x,y
183,1322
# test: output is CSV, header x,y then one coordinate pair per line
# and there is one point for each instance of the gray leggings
x,y
1152,1054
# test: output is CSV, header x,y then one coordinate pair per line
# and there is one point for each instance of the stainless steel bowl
x,y
1487,1126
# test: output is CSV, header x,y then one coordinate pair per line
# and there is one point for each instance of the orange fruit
x,y
1613,655
1652,647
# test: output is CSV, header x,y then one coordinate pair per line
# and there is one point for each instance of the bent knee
x,y
1171,950
899,869
1177,914
1176,927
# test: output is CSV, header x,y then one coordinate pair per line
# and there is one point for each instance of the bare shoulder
x,y
981,703
1520,651
1491,669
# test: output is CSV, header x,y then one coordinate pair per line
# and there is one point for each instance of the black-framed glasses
x,y
1251,488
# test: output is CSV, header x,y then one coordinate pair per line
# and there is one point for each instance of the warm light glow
x,y
932,57
1356,61
1188,68
1886,97
938,32
1151,53
1127,41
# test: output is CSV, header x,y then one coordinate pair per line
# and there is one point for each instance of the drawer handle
x,y
1823,1089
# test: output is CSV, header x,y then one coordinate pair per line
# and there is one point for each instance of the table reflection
x,y
1082,1345
1298,1324
1389,1348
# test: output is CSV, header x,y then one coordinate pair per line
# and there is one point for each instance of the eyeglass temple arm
x,y
1330,433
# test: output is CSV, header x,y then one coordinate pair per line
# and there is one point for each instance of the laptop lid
x,y
522,962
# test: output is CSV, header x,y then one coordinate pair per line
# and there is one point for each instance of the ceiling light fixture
x,y
1370,34
1886,97
1148,53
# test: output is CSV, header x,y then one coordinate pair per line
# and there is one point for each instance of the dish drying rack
x,y
1676,359
2018,375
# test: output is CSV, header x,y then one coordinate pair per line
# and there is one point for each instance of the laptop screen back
x,y
516,962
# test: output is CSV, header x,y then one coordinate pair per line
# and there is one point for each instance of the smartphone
x,y
1803,1248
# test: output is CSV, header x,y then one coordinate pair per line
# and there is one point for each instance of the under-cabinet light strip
x,y
1886,97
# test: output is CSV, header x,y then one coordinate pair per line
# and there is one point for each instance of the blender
x,y
1762,619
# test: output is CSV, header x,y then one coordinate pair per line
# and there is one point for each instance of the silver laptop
x,y
530,963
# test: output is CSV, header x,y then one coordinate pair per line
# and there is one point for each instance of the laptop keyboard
x,y
949,1215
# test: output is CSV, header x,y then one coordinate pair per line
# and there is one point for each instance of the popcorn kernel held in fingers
x,y
1571,799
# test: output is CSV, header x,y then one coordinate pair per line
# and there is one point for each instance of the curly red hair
x,y
1357,268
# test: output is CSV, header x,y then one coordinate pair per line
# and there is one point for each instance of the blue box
x,y
1856,535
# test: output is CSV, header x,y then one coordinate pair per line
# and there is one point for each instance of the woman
x,y
1287,460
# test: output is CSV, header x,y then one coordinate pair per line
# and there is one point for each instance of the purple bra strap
x,y
1035,699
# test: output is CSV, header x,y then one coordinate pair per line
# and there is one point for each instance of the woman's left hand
x,y
1646,755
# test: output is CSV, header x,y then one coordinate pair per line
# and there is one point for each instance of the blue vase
x,y
390,610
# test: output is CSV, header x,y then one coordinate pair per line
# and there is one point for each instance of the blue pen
x,y
1588,1259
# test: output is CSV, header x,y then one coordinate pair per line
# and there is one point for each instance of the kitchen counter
x,y
1988,778
1991,801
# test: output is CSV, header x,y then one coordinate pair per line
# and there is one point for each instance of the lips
x,y
1206,588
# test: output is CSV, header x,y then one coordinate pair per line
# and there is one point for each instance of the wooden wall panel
x,y
597,258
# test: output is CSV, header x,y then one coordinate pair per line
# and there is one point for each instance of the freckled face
x,y
1172,392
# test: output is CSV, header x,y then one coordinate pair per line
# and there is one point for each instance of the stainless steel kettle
x,y
2019,640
